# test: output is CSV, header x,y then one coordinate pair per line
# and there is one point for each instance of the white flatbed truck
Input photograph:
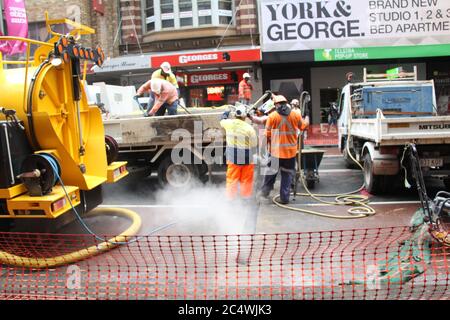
x,y
178,148
379,116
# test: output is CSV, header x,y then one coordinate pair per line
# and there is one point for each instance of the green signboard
x,y
381,52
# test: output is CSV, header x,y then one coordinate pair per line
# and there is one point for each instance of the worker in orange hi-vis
x,y
282,130
245,89
241,146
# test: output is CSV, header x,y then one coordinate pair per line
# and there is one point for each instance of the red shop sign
x,y
213,78
210,57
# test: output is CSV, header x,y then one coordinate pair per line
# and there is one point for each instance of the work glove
x,y
225,115
251,113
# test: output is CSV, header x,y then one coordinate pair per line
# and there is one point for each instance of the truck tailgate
x,y
396,131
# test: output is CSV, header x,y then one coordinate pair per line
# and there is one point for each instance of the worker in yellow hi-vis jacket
x,y
241,146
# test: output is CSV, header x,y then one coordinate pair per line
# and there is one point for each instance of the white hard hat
x,y
156,86
295,102
246,75
279,99
241,111
166,67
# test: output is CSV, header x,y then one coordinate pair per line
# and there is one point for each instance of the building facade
x,y
312,45
101,15
210,44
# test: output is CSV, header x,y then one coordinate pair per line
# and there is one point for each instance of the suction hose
x,y
359,203
105,245
51,262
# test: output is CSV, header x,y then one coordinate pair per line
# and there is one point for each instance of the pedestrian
x,y
333,115
245,89
241,144
349,77
166,97
282,129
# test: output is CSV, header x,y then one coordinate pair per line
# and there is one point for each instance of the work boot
x,y
284,202
261,196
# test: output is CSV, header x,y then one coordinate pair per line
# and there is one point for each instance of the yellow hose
x,y
38,263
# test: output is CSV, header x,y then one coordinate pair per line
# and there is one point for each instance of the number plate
x,y
436,162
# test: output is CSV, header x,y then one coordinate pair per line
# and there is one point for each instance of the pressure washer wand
x,y
266,94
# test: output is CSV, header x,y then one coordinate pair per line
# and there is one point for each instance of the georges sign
x,y
214,77
209,57
321,24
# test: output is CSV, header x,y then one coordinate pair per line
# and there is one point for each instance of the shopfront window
x,y
167,14
225,11
327,98
150,15
186,17
439,71
215,88
180,13
204,12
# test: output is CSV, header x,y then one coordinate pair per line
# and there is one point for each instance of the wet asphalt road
x,y
203,210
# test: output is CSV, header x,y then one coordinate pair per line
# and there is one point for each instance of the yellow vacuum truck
x,y
54,156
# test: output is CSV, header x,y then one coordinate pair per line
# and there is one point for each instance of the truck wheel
x,y
349,163
202,172
372,183
175,175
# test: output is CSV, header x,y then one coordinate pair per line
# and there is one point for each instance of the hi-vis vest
x,y
245,90
282,133
171,78
241,141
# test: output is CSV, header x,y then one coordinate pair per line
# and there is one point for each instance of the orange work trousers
x,y
240,174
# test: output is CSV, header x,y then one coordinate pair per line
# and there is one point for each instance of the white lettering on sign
x,y
18,15
198,78
319,24
198,58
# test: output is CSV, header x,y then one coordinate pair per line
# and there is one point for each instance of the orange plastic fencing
x,y
318,265
321,134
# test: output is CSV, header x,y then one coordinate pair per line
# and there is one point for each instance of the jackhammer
x,y
436,212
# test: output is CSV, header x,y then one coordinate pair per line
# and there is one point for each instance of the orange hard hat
x,y
279,99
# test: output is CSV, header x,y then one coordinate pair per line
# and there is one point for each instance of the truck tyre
x,y
202,172
175,175
349,163
372,183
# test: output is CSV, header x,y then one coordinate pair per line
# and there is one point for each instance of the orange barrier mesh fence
x,y
321,134
318,265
